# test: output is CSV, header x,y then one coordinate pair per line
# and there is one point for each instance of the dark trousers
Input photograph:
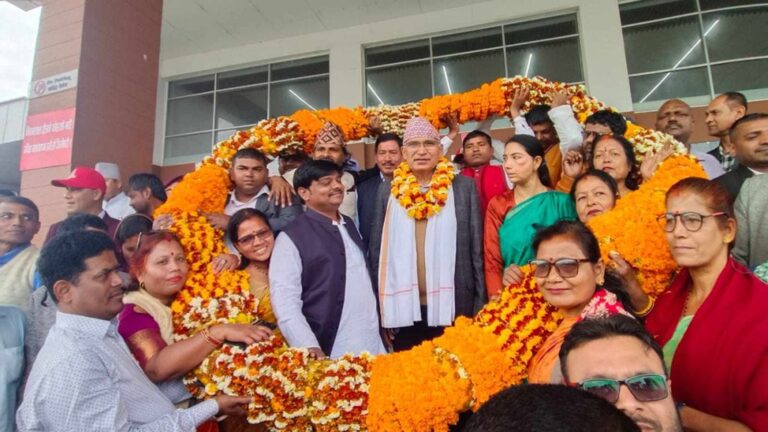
x,y
409,337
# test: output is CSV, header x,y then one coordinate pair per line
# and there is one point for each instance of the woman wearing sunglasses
x,y
512,218
160,267
712,322
572,278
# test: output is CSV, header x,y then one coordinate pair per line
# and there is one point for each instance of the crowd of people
x,y
344,260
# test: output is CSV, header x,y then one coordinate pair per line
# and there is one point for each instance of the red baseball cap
x,y
83,178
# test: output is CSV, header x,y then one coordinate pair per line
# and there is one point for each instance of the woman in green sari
x,y
514,217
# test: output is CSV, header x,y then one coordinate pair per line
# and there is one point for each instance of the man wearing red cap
x,y
85,189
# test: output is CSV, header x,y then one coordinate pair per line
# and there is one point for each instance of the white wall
x,y
605,69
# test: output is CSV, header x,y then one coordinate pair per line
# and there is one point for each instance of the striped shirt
x,y
85,379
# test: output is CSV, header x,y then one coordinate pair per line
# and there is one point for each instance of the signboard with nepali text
x,y
48,139
53,84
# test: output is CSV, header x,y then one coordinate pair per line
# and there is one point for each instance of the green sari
x,y
525,219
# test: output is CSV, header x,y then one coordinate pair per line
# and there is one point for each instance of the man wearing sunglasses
x,y
616,359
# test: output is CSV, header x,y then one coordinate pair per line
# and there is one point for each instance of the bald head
x,y
674,117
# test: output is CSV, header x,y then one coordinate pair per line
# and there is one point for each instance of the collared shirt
x,y
233,205
11,254
359,325
727,161
119,206
756,172
85,379
12,326
711,165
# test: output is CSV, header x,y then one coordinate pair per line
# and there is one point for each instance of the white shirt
x,y
233,205
359,325
85,379
119,206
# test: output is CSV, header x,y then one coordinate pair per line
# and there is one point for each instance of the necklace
x,y
422,203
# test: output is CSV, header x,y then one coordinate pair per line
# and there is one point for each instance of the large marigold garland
x,y
420,204
426,388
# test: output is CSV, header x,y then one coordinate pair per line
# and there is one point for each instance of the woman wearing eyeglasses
x,y
160,267
513,217
572,278
250,232
712,322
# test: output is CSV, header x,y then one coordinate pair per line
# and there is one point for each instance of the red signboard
x,y
48,139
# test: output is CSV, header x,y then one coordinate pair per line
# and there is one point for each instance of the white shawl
x,y
398,278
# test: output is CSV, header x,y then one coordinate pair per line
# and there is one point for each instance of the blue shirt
x,y
5,258
12,325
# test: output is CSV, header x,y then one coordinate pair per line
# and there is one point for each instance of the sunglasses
x,y
691,221
566,267
645,387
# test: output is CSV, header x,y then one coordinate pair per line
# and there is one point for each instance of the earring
x,y
600,280
142,286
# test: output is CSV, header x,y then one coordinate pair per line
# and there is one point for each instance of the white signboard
x,y
53,84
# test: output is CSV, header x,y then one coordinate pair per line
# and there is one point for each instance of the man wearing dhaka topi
x,y
426,245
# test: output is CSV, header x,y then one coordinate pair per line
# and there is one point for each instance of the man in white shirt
x,y
116,203
85,378
319,281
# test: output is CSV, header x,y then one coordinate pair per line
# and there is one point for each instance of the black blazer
x,y
734,179
469,278
367,192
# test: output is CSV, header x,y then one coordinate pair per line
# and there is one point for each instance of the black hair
x,y
600,175
63,257
600,328
538,114
236,220
633,177
249,153
141,181
80,222
736,98
746,119
534,148
587,242
132,225
474,134
613,120
549,408
312,171
20,200
387,137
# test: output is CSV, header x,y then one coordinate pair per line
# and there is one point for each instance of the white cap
x,y
108,170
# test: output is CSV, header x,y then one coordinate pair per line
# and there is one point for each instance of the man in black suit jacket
x,y
750,139
388,157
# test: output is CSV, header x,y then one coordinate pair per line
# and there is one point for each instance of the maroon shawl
x,y
721,364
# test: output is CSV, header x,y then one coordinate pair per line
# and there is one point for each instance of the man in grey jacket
x,y
426,243
752,222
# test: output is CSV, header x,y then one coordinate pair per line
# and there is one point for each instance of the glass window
x,y
397,85
464,42
694,49
190,86
414,50
242,77
737,33
190,114
204,110
188,145
663,45
289,97
463,73
411,71
557,60
241,107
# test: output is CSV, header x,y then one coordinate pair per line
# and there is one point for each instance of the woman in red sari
x,y
572,278
712,322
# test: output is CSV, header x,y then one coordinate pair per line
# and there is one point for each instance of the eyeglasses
x,y
427,145
566,267
263,235
691,221
645,387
